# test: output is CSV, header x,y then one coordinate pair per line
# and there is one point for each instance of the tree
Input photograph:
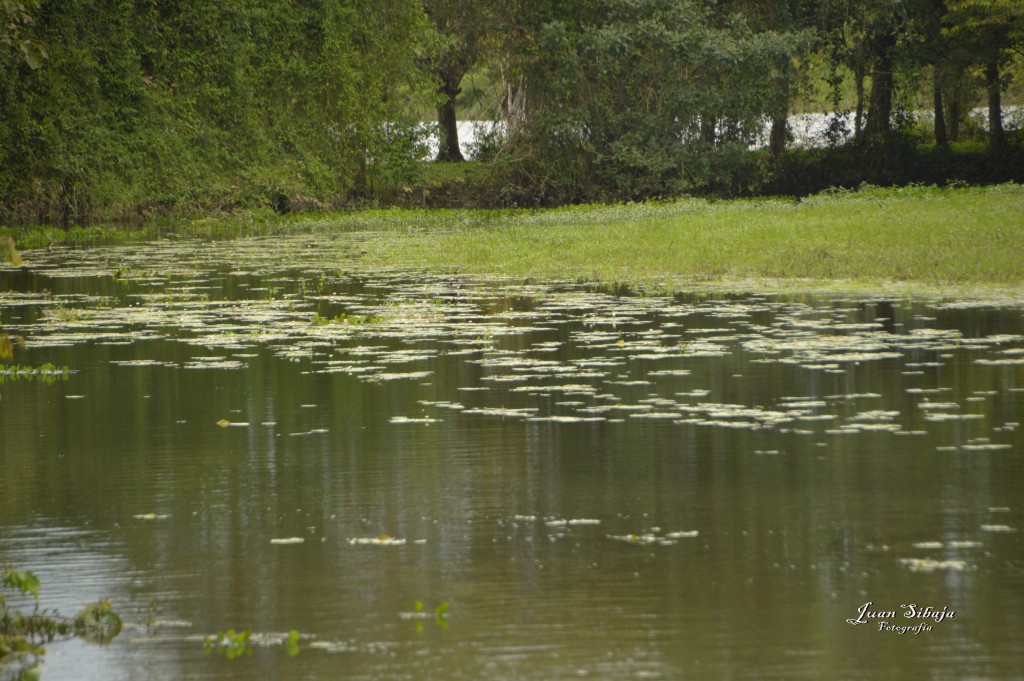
x,y
863,36
990,30
641,98
460,26
792,17
186,105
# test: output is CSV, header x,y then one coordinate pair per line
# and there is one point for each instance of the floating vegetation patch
x,y
567,419
394,376
408,419
224,423
44,373
151,516
381,540
655,536
213,363
556,354
931,565
141,363
561,522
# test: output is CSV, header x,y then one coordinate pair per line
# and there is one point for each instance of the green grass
x,y
918,234
913,236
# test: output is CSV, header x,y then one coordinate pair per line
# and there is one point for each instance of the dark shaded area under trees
x,y
115,110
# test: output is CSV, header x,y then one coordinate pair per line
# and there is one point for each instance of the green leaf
x,y
25,582
291,643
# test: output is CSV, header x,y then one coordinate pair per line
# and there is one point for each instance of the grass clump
x,y
913,234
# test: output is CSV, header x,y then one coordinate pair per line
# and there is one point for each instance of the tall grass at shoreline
x,y
915,234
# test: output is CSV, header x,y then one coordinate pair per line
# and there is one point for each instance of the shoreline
x,y
900,241
910,239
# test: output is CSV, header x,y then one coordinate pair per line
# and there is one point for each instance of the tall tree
x,y
624,92
461,26
795,18
189,104
991,30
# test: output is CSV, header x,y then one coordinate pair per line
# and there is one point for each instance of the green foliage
x,y
98,623
15,20
233,644
418,615
22,635
991,28
397,163
291,643
180,106
25,582
114,109
639,99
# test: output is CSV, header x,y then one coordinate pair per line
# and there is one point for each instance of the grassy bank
x,y
920,234
910,236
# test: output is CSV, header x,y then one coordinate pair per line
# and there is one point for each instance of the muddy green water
x,y
598,485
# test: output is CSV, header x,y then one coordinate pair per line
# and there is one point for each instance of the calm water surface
x,y
599,485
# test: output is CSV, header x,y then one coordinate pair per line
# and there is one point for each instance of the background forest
x,y
123,109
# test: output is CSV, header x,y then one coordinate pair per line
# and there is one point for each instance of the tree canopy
x,y
131,107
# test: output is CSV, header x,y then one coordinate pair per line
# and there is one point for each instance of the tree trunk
x,y
707,128
448,128
858,121
940,116
880,99
953,118
779,134
996,136
513,104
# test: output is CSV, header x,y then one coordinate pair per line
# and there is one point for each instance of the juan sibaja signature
x,y
886,619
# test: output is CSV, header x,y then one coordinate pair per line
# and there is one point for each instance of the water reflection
x,y
600,485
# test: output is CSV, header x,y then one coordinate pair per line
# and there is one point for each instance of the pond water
x,y
599,484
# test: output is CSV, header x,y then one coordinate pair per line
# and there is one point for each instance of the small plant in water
x,y
233,644
45,373
22,635
419,614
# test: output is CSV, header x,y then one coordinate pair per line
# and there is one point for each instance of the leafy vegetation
x,y
142,107
23,635
235,644
116,110
45,373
